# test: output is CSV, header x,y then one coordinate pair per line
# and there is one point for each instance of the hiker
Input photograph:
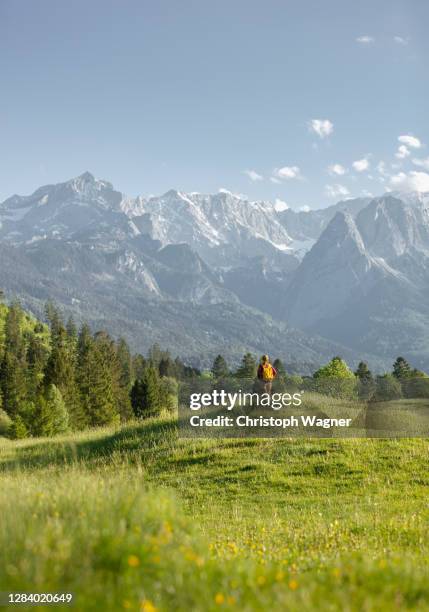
x,y
266,373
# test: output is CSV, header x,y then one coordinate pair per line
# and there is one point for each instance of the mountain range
x,y
207,274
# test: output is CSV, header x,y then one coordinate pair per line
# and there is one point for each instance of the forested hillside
x,y
55,377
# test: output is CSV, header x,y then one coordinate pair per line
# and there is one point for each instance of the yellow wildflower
x,y
133,561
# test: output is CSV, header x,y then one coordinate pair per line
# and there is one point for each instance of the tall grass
x,y
136,518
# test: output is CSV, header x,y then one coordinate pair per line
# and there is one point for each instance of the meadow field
x,y
135,518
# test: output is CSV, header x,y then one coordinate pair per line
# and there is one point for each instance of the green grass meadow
x,y
136,518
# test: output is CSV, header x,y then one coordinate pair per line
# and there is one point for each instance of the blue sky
x,y
298,101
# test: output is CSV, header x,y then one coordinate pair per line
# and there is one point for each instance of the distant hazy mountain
x,y
200,273
365,283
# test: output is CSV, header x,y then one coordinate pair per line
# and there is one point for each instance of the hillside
x,y
246,525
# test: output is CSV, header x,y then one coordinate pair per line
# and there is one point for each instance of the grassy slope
x,y
266,524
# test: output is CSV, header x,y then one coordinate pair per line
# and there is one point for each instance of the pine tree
x,y
167,366
125,372
37,357
61,372
52,415
139,366
363,372
248,367
280,369
401,368
219,368
146,396
98,378
13,367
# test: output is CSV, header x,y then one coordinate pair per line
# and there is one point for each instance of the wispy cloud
x,y
402,152
422,163
253,175
336,170
336,191
410,181
287,172
360,165
410,141
321,127
381,168
399,40
365,39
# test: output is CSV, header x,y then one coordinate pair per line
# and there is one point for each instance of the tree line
x,y
55,377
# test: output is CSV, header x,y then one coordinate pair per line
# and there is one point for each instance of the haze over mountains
x,y
204,274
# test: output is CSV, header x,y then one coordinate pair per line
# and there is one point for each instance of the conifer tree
x,y
280,369
248,367
98,379
61,372
52,415
219,368
401,368
123,362
13,367
146,396
363,372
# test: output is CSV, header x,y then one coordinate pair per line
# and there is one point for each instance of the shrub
x,y
388,388
5,423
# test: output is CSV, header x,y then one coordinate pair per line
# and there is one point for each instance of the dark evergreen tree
x,y
139,366
13,368
37,357
61,371
146,395
363,372
167,366
401,368
99,380
125,368
248,367
219,368
280,369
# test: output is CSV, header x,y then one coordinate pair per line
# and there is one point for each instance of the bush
x,y
415,387
5,423
388,388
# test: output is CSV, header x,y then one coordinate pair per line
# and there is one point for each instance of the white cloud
x,y
336,191
422,163
411,181
410,141
280,205
240,196
287,172
304,208
365,39
336,169
401,41
367,194
321,127
253,175
402,152
360,165
381,168
275,180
